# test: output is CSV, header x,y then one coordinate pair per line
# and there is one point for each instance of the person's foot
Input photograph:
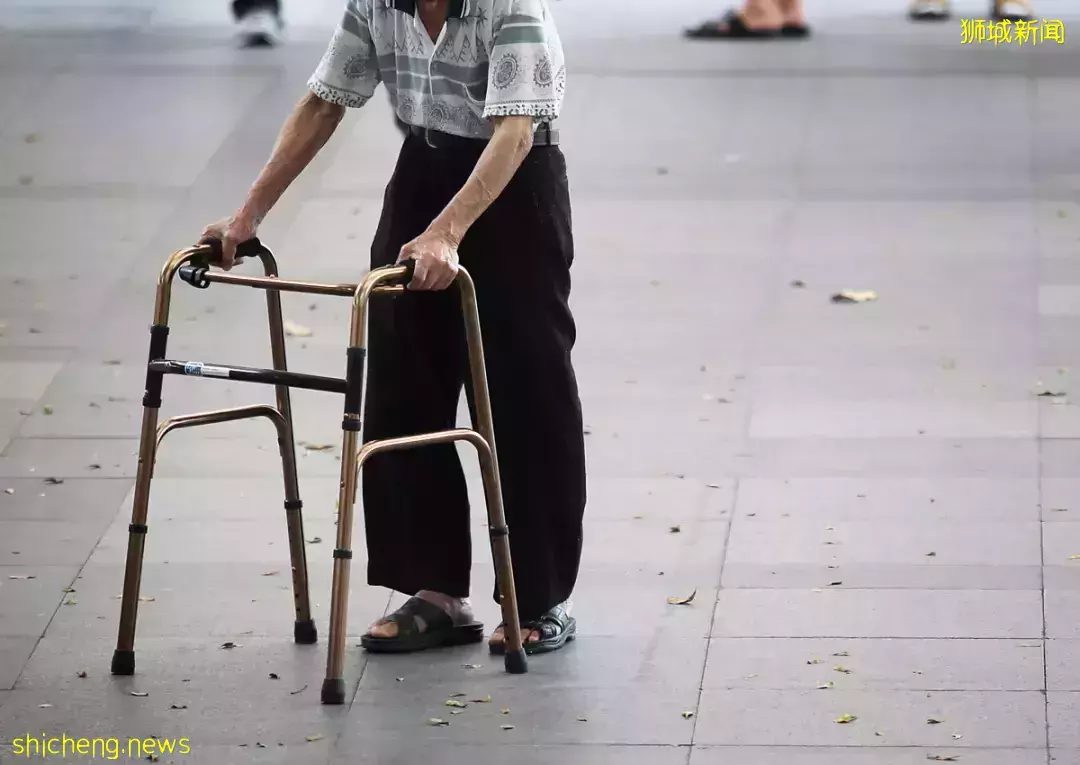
x,y
929,10
260,27
736,25
549,633
1012,10
427,620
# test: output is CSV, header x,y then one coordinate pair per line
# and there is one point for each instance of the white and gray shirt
x,y
493,58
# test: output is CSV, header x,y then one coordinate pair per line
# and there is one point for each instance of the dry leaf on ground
x,y
826,686
485,700
933,721
292,329
506,727
140,694
456,703
314,737
687,714
855,296
677,601
842,670
943,758
438,722
845,719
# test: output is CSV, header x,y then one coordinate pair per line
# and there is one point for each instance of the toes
x,y
383,629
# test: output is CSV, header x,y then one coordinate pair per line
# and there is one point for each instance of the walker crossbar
x,y
192,265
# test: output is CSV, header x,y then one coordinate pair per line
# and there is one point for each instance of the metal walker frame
x,y
193,267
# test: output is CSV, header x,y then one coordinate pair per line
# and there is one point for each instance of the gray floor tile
x,y
1061,499
79,500
873,576
1063,710
30,595
14,653
539,716
1062,613
229,695
1063,665
878,613
795,541
912,665
892,499
408,750
807,718
880,755
46,543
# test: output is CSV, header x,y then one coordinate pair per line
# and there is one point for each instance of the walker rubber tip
x,y
516,663
305,633
333,691
123,662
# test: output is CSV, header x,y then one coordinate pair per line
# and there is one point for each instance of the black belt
x,y
545,135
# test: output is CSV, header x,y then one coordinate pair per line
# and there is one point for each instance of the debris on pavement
x,y
292,329
855,296
677,601
845,719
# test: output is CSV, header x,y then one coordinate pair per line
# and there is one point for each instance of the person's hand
x,y
231,232
436,261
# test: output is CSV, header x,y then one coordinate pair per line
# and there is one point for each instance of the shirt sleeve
x,y
527,75
349,71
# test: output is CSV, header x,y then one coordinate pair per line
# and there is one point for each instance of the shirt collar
x,y
459,9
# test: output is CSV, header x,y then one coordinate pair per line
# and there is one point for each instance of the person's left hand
x,y
436,261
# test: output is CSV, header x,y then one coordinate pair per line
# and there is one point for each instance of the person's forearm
x,y
501,159
306,131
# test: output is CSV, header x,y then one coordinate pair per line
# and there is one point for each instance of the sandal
x,y
438,630
557,628
730,27
795,30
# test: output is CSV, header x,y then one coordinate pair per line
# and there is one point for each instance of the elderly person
x,y
480,177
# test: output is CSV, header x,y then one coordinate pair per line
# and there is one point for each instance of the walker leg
x,y
123,661
483,423
333,690
304,630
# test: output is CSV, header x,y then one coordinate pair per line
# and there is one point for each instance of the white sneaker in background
x,y
929,10
260,29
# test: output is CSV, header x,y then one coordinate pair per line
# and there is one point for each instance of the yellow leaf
x,y
455,703
687,714
506,710
314,737
437,722
825,686
855,296
677,601
845,719
1074,557
842,669
292,329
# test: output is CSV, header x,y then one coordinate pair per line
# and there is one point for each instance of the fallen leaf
x,y
298,691
1059,510
933,721
178,706
44,706
931,555
71,602
315,540
456,703
292,329
845,719
506,710
316,447
53,481
152,757
1074,557
713,485
457,711
438,722
798,284
841,653
1050,394
230,644
677,529
687,714
315,737
147,598
826,686
22,576
639,517
943,758
957,736
677,601
9,492
815,661
835,584
271,573
1030,645
46,410
472,666
841,669
506,727
400,679
855,296
583,719
81,674
140,694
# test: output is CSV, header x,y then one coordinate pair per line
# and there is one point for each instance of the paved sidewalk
x,y
876,509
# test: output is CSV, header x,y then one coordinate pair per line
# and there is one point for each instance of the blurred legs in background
x,y
756,19
259,22
939,10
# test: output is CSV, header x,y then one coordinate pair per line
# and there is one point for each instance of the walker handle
x,y
252,248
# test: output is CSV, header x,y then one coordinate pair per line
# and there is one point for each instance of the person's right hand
x,y
231,232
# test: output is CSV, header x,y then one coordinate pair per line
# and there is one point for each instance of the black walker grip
x,y
252,248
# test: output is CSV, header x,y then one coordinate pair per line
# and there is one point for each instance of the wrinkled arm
x,y
306,131
502,157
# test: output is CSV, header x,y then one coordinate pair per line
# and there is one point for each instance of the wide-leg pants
x,y
519,254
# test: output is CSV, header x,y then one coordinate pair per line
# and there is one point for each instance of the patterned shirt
x,y
493,58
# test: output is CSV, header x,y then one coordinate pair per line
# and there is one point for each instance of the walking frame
x,y
193,267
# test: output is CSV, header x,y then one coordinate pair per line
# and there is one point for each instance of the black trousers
x,y
415,502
